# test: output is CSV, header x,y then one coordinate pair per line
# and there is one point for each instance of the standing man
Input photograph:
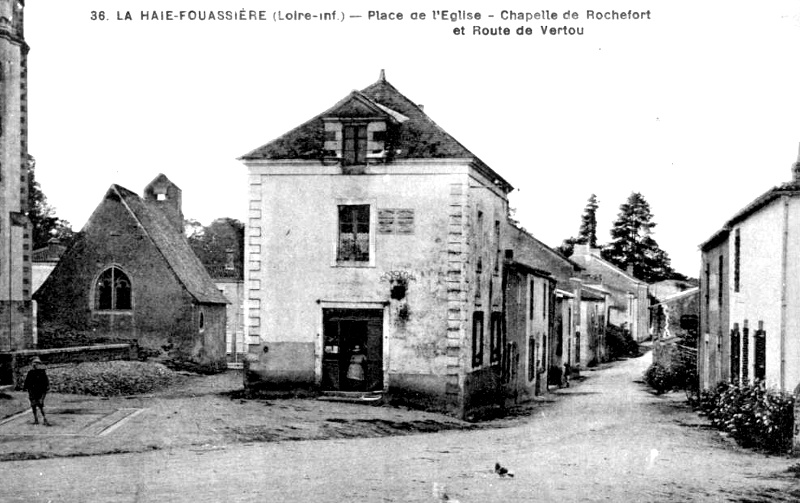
x,y
37,384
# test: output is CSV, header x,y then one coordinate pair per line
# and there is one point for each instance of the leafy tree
x,y
219,246
633,244
566,247
44,222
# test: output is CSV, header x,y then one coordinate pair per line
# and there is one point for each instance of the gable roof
x,y
172,245
786,189
595,257
419,137
686,293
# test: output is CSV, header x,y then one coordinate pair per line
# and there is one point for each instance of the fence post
x,y
796,429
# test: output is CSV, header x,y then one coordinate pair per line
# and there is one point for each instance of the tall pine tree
x,y
588,231
633,244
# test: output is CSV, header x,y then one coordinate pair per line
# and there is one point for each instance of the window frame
x,y
360,144
95,292
373,227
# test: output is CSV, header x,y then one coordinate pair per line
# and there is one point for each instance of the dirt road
x,y
607,439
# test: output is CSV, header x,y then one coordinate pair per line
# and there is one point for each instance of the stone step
x,y
351,396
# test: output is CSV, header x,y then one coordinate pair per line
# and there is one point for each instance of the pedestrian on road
x,y
355,372
37,384
565,376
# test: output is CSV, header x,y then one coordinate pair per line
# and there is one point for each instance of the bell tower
x,y
15,231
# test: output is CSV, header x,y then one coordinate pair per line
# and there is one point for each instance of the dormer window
x,y
354,144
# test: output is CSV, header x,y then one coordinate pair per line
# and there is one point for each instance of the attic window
x,y
354,145
161,197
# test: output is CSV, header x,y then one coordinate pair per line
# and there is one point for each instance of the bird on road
x,y
502,471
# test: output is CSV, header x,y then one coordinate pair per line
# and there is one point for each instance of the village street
x,y
605,439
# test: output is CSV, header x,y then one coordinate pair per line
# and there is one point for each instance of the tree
x,y
587,234
633,244
566,247
219,246
44,222
588,231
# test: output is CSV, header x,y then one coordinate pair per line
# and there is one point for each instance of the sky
x,y
697,107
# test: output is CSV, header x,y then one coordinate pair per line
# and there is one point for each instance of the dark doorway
x,y
345,330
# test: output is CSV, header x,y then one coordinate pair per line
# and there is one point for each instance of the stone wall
x,y
14,365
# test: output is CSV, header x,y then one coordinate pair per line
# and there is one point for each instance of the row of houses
x,y
405,253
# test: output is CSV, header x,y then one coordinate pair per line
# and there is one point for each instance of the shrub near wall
x,y
677,375
754,415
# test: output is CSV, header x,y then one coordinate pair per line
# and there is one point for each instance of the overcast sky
x,y
697,108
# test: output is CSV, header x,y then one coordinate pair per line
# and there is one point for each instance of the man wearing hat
x,y
37,384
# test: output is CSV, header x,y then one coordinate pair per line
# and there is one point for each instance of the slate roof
x,y
173,246
419,136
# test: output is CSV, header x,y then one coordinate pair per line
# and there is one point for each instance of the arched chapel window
x,y
113,290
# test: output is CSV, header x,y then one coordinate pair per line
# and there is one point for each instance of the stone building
x,y
542,314
44,261
130,275
15,231
371,226
750,293
628,296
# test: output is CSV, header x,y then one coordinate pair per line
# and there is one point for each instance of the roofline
x,y
480,166
513,264
617,269
161,252
575,266
685,293
789,189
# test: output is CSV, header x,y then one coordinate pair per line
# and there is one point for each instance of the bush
x,y
620,343
110,378
658,377
753,414
678,376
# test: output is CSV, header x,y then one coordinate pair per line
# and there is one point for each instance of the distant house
x,y
628,301
44,261
220,247
399,251
130,275
750,293
230,282
677,315
590,340
667,288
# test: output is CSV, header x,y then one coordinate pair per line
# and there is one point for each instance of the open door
x,y
345,330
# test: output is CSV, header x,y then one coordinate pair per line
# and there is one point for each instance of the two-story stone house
x,y
371,226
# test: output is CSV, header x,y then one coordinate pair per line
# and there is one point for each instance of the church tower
x,y
15,231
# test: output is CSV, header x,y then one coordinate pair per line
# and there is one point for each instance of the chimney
x,y
382,77
161,193
796,169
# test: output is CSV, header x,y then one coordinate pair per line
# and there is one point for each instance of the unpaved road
x,y
607,439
